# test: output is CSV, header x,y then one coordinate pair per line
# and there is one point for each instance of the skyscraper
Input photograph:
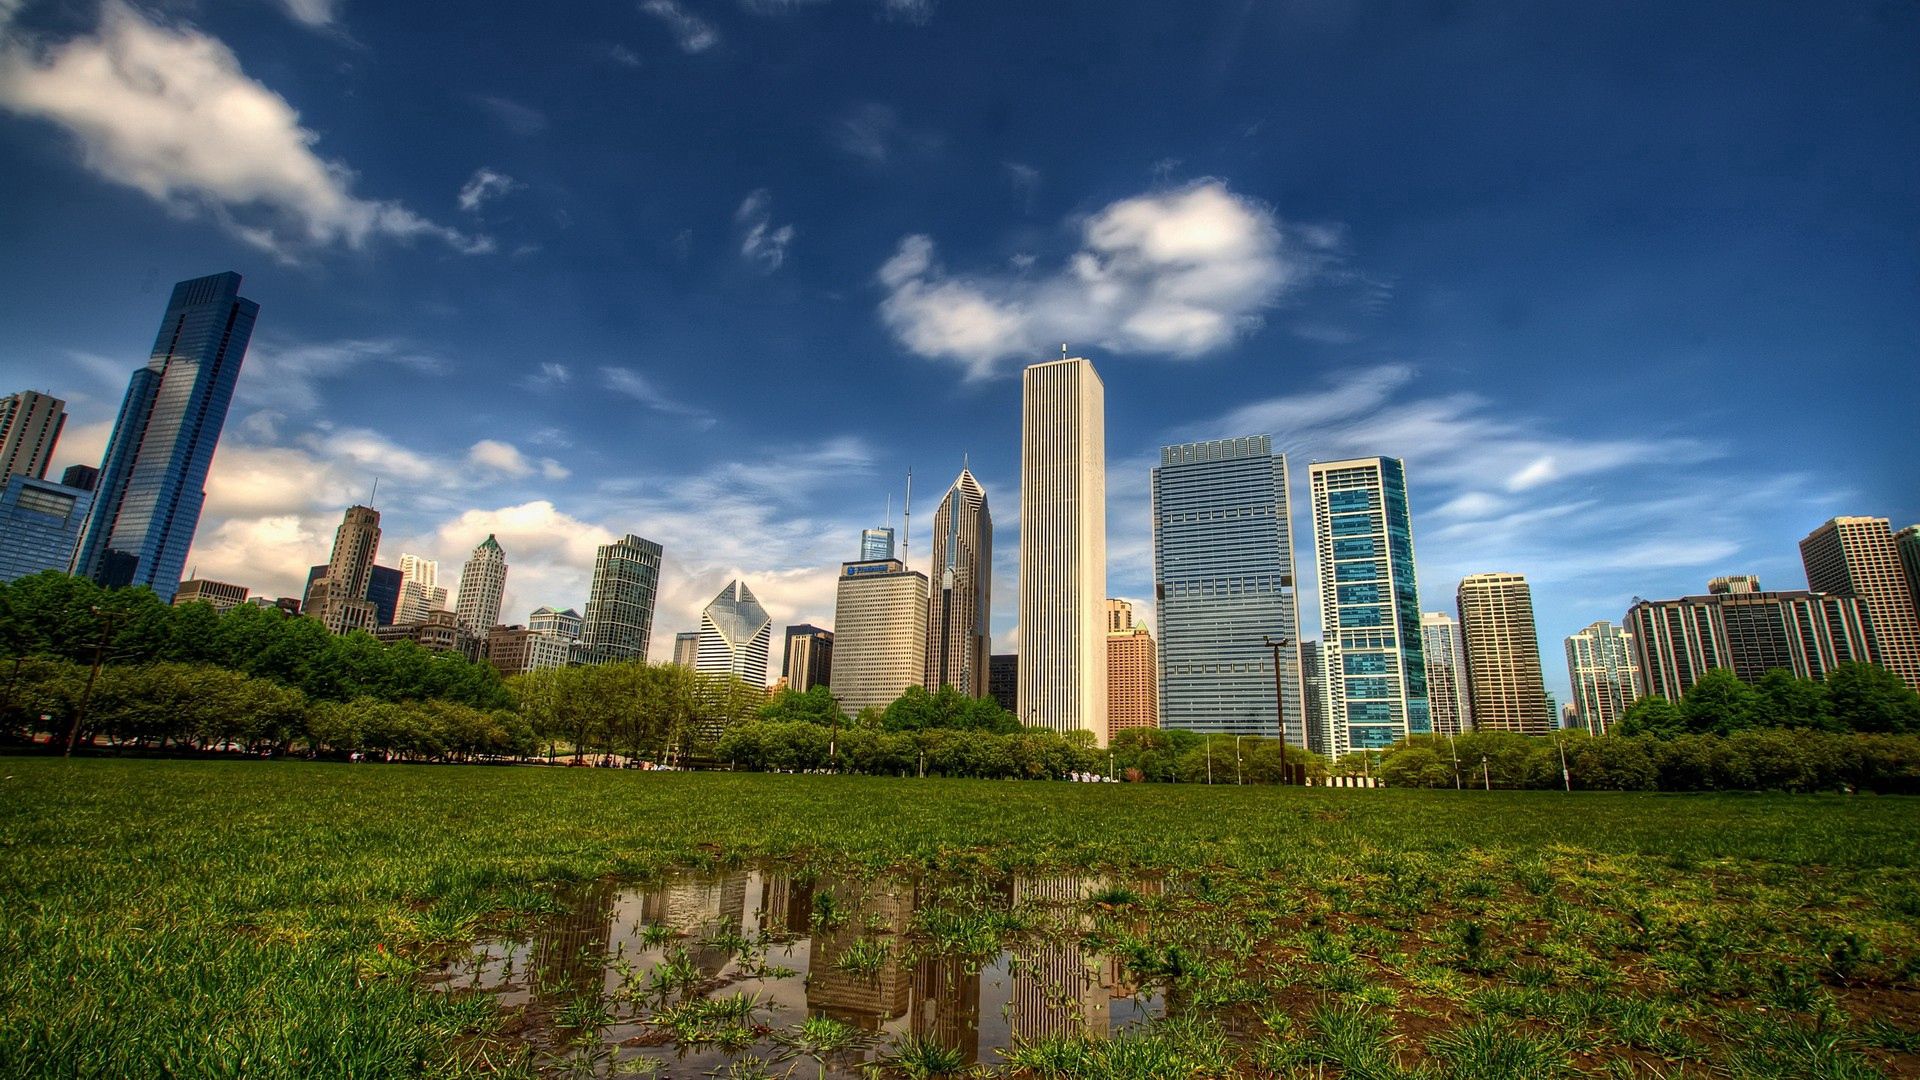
x,y
686,648
961,600
154,476
420,590
879,633
84,477
1369,604
808,661
1908,541
339,597
735,635
1133,698
1063,548
483,583
618,624
1675,642
1604,677
1003,680
39,525
1446,673
564,624
876,543
1313,688
1223,577
30,424
1856,557
218,595
1504,681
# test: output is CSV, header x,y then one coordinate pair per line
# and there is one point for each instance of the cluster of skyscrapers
x,y
1228,658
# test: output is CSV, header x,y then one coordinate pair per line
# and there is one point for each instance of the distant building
x,y
1907,540
808,659
1063,548
40,522
420,589
960,592
1675,642
1003,680
440,631
1133,699
1119,615
1504,680
876,544
1313,688
618,624
879,633
1224,585
383,592
30,424
686,648
153,479
1856,557
1605,676
564,624
338,598
84,477
515,650
483,584
1446,658
217,595
287,604
1733,584
736,634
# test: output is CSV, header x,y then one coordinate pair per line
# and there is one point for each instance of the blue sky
x,y
1634,291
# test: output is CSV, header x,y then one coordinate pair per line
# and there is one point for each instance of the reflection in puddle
x,y
657,971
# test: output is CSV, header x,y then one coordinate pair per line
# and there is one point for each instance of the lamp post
x,y
1238,776
1279,705
1453,749
1209,759
1566,775
1485,773
107,619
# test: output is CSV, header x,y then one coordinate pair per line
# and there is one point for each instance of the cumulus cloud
x,y
168,111
1175,273
692,33
762,243
485,184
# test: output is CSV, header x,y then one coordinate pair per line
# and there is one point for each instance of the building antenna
x,y
375,493
906,531
1063,350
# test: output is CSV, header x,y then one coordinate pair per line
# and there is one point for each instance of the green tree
x,y
1869,698
1651,715
1719,703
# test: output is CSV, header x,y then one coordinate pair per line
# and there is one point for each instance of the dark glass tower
x,y
154,477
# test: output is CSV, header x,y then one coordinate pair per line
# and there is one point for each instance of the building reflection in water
x,y
879,912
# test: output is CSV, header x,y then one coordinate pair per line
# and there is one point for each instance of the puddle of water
x,y
597,985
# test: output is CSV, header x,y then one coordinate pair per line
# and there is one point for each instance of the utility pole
x,y
1454,749
1209,759
1486,774
107,619
1566,775
1238,776
1279,705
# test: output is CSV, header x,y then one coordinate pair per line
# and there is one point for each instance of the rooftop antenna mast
x,y
906,531
375,493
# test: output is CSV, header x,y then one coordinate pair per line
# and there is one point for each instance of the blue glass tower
x,y
1376,677
154,477
39,524
1223,583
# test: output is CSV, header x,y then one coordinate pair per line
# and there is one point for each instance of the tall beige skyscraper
x,y
420,590
1504,683
960,601
30,424
483,582
1857,557
1063,548
879,633
339,598
1604,674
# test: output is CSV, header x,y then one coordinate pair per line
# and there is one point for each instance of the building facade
x,y
1133,697
879,633
420,589
153,479
876,543
1857,557
961,590
483,585
1446,658
1063,548
1003,681
440,631
564,624
30,424
808,660
515,650
84,477
40,523
1907,541
338,598
1604,676
736,634
217,595
1369,604
1224,586
618,624
1504,680
686,648
1313,689
1675,642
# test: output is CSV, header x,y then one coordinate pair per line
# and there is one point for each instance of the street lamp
x,y
1454,749
1237,777
107,619
1279,705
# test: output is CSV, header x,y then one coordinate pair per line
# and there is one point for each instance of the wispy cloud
x,y
521,119
692,33
314,13
762,243
485,184
289,375
548,376
875,134
632,384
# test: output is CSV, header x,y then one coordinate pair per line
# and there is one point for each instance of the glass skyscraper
x,y
154,477
1223,576
876,543
1369,605
618,624
39,523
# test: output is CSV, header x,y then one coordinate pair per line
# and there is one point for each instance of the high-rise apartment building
x,y
879,633
515,650
30,424
1119,615
1604,675
1504,681
564,623
217,595
1907,540
420,589
736,634
1223,585
1369,604
1675,642
1133,698
618,624
876,543
1857,557
1063,548
483,584
153,479
338,597
961,590
1734,584
1313,691
40,523
808,661
686,648
1446,657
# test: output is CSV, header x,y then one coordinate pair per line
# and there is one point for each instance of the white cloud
x,y
287,375
485,184
692,33
762,243
506,458
1177,273
523,120
875,134
630,383
168,111
549,376
315,13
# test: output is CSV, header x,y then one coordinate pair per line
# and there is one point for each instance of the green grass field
x,y
279,919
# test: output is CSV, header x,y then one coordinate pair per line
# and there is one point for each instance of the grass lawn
x,y
285,919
